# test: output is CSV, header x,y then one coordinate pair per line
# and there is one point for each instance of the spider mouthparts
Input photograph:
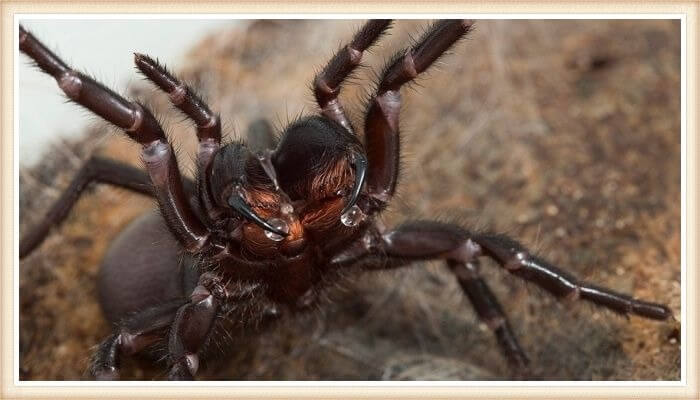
x,y
278,224
237,202
359,162
265,159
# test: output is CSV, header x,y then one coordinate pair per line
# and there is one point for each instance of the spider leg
x,y
489,310
183,97
326,84
512,256
208,123
189,332
434,240
134,334
382,120
141,126
96,169
428,240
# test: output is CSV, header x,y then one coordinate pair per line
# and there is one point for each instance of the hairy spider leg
x,y
96,169
429,240
208,124
327,83
135,333
382,119
184,324
517,260
489,310
189,331
141,126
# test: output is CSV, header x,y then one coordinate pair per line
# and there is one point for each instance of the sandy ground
x,y
566,134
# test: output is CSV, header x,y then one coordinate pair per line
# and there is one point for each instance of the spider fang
x,y
359,162
237,202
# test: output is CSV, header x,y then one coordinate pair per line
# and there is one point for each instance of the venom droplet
x,y
278,224
352,217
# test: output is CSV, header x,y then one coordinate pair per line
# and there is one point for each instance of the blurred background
x,y
563,133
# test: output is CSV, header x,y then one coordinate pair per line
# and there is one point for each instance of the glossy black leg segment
x,y
517,260
134,334
327,83
423,240
382,120
135,119
433,240
189,332
98,170
141,126
208,123
183,97
489,310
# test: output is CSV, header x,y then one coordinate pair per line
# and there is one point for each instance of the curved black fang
x,y
359,161
238,204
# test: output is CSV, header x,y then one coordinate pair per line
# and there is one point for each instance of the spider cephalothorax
x,y
269,220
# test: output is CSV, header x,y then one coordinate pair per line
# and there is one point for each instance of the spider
x,y
268,222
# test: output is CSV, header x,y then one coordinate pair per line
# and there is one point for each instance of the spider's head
x,y
318,159
307,185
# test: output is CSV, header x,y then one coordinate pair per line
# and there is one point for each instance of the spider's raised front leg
x,y
426,240
208,124
382,120
327,83
140,125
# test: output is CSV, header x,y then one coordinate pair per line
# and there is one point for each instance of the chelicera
x,y
269,221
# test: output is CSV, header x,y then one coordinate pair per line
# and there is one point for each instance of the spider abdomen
x,y
142,269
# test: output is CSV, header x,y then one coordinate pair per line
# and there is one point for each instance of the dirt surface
x,y
565,134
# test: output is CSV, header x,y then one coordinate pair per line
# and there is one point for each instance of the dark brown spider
x,y
268,222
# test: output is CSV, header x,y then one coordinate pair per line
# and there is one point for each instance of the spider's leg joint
x,y
138,118
464,271
517,261
323,87
355,55
383,196
573,296
466,252
132,343
206,151
155,152
199,293
213,122
192,361
178,95
495,323
371,240
71,84
410,65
